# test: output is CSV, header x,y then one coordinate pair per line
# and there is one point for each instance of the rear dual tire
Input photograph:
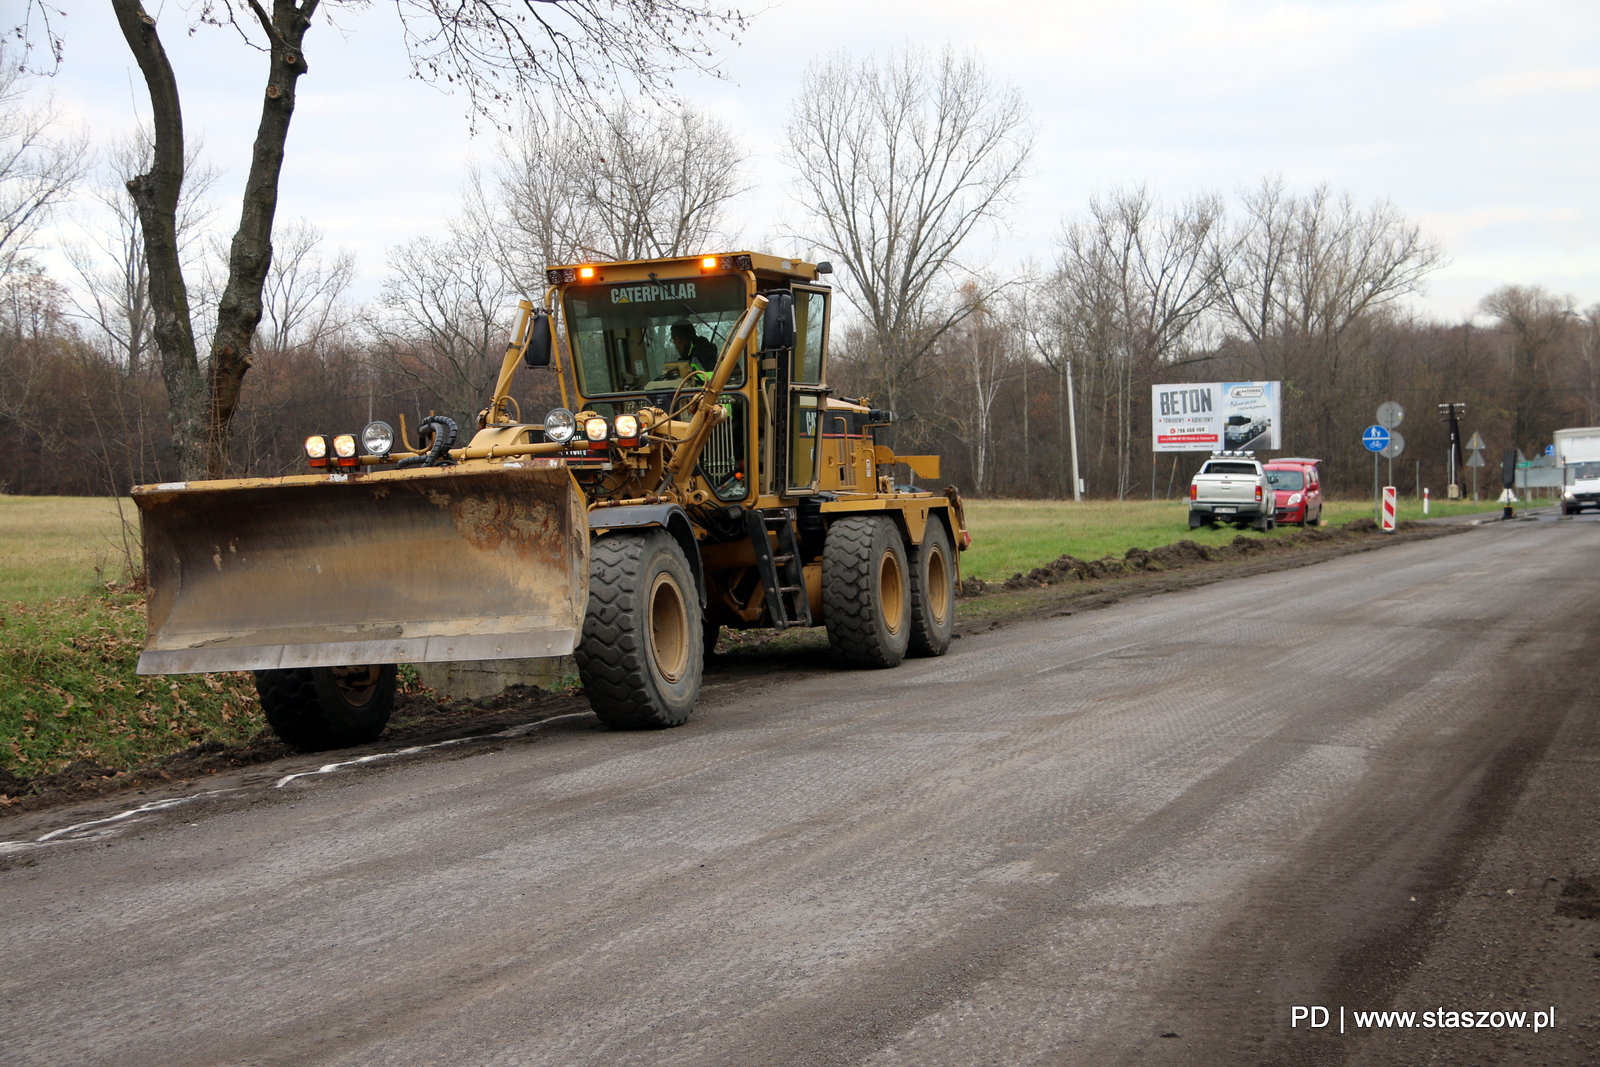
x,y
933,593
318,708
866,594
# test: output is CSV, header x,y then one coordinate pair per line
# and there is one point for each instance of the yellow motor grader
x,y
699,474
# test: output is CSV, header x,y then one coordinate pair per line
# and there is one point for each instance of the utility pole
x,y
1072,423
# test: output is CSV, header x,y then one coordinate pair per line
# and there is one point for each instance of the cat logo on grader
x,y
700,474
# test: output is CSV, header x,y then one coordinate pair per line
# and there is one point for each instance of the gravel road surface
x,y
1147,834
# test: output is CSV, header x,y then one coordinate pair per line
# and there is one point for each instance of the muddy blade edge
x,y
458,563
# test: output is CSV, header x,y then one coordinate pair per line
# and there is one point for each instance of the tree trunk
x,y
202,407
250,256
155,197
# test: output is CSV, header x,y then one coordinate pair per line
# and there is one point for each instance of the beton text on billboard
x,y
1216,416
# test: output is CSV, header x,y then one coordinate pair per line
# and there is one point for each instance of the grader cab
x,y
699,474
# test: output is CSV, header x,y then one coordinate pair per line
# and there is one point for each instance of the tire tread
x,y
848,601
612,655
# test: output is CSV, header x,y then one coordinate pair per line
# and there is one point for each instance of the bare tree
x,y
1589,352
1536,324
569,50
38,166
630,181
1311,266
898,163
1132,284
114,280
303,296
980,356
1305,279
443,318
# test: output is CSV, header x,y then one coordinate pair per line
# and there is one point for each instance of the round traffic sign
x,y
1396,445
1390,414
1375,438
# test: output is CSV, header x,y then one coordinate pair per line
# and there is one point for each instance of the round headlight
x,y
344,446
596,429
316,446
559,426
377,438
627,426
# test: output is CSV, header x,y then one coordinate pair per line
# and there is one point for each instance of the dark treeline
x,y
80,420
1516,392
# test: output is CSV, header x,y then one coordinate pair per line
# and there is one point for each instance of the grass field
x,y
50,546
68,643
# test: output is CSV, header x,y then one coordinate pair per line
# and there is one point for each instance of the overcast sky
x,y
1477,118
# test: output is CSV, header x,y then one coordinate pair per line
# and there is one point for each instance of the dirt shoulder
x,y
1062,587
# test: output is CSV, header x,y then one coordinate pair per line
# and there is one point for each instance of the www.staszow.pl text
x,y
1319,1018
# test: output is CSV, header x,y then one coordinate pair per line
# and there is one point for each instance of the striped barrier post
x,y
1388,509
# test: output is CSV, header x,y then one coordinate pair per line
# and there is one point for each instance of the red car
x,y
1298,487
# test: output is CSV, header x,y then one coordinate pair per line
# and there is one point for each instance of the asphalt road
x,y
1139,835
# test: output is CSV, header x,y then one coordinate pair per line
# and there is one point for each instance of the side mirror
x,y
538,352
777,322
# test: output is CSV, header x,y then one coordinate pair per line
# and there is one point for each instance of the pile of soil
x,y
1175,556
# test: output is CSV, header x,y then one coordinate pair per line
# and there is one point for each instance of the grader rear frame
x,y
666,499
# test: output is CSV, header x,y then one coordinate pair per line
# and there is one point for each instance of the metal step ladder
x,y
782,574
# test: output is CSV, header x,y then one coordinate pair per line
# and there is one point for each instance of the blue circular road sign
x,y
1375,438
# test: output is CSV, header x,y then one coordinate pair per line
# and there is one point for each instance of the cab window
x,y
650,336
810,331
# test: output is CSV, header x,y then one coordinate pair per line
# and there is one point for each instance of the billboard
x,y
1216,416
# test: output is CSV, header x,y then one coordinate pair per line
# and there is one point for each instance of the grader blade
x,y
481,562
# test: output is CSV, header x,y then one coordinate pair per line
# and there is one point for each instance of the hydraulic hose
x,y
440,432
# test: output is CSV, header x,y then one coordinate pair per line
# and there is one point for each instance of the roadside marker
x,y
1388,509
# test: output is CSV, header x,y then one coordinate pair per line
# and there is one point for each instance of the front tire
x,y
933,593
642,651
866,598
318,708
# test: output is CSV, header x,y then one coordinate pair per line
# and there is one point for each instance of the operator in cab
x,y
693,349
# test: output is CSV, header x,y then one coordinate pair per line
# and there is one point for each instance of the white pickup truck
x,y
1231,487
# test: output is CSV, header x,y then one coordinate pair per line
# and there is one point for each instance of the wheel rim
x,y
356,684
891,591
938,584
669,628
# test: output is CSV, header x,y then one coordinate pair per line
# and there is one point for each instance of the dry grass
x,y
54,546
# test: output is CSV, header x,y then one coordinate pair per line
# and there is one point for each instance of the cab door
x,y
802,382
